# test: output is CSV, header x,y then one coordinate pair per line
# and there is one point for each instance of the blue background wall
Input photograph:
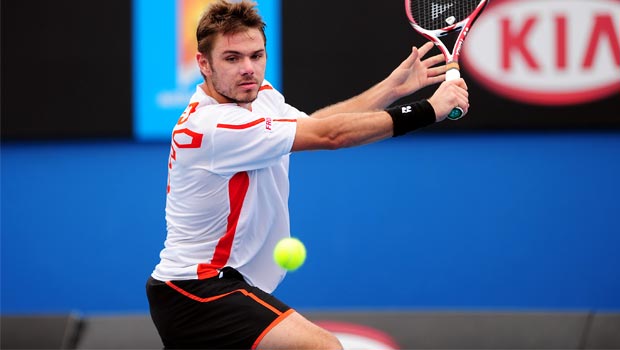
x,y
429,221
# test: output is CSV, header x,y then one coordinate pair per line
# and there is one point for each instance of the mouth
x,y
248,84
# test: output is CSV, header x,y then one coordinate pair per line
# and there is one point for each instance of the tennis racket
x,y
435,19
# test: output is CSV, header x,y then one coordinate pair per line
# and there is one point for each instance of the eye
x,y
231,59
257,56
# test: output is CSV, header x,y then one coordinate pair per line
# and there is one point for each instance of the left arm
x,y
410,76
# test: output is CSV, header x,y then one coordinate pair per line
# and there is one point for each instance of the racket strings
x,y
438,14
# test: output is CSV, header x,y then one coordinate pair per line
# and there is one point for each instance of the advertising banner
x,y
164,64
529,64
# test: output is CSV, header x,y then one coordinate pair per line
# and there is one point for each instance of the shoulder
x,y
269,92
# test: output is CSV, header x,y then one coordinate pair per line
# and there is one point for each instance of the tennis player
x,y
228,187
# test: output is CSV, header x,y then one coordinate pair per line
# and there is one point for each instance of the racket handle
x,y
453,73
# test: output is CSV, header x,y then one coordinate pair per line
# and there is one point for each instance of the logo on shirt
x,y
268,124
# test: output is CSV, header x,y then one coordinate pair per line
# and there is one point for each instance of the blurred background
x,y
513,209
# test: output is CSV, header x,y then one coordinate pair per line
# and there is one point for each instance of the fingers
x,y
434,60
461,83
449,95
462,95
436,71
424,49
411,59
417,53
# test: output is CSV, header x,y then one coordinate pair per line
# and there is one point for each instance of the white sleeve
x,y
288,110
243,140
285,110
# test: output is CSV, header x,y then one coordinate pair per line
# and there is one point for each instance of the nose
x,y
247,66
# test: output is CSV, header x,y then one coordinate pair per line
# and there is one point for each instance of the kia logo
x,y
547,52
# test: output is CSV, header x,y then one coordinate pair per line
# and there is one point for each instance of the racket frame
x,y
452,57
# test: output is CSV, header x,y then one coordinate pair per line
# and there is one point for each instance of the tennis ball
x,y
289,253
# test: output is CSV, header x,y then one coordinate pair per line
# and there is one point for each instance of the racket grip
x,y
453,73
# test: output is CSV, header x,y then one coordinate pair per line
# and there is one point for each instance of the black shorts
x,y
215,313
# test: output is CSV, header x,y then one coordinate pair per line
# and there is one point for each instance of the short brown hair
x,y
223,17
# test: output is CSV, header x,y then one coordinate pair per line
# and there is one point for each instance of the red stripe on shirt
x,y
251,124
237,189
265,87
241,126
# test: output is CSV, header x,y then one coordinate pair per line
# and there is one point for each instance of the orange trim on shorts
x,y
216,297
273,324
197,298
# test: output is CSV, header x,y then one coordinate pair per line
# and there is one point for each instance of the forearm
x,y
342,130
355,129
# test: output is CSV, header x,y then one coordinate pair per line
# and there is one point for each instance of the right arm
x,y
341,130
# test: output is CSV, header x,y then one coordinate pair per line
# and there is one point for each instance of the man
x,y
227,202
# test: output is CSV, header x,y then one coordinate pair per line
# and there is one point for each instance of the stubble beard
x,y
240,98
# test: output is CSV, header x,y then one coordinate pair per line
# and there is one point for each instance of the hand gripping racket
x,y
437,18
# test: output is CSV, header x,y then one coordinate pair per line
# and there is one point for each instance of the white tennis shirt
x,y
228,189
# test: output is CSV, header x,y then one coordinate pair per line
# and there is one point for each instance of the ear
x,y
203,64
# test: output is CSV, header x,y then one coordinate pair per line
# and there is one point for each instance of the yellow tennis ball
x,y
289,253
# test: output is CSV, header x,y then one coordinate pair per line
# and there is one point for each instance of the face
x,y
236,68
